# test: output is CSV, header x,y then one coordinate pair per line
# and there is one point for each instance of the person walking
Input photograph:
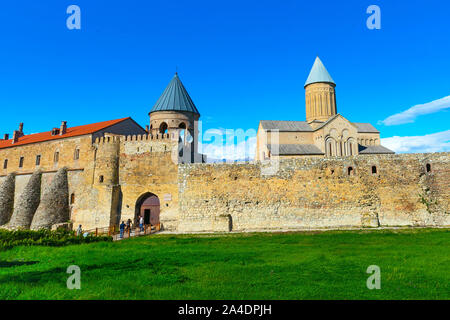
x,y
128,225
79,231
122,229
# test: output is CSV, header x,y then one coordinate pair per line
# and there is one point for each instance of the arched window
x,y
329,149
374,169
76,154
5,164
72,198
163,128
182,132
350,148
56,157
350,171
428,167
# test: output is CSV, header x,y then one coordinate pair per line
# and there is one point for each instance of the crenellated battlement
x,y
151,137
107,139
166,137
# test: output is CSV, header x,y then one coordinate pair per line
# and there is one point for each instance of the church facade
x,y
324,133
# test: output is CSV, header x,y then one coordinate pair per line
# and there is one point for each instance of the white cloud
x,y
435,142
410,115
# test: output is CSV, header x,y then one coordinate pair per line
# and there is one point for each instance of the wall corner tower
x,y
175,114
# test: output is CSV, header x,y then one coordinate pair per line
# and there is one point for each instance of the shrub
x,y
60,237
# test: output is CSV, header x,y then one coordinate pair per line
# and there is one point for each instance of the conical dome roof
x,y
175,98
319,74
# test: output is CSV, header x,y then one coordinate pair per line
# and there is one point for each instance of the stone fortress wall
x,y
305,193
113,173
97,189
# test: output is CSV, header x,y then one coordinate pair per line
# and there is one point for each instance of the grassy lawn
x,y
415,264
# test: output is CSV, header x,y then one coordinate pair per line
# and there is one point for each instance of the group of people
x,y
123,226
128,226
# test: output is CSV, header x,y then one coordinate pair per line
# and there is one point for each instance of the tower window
x,y
56,157
5,164
374,169
76,155
163,128
100,179
350,171
428,167
21,162
72,198
38,159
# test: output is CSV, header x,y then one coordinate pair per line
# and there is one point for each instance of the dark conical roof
x,y
175,98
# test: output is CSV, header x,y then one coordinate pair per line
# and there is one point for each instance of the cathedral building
x,y
324,133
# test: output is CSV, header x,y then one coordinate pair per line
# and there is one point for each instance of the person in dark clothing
x,y
122,229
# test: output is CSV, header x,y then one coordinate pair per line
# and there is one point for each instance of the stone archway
x,y
147,206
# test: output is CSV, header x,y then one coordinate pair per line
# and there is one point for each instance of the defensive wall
x,y
360,191
112,175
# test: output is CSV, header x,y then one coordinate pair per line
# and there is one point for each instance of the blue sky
x,y
241,61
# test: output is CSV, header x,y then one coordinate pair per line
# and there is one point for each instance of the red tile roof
x,y
71,132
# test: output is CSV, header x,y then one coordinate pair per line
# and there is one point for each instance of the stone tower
x,y
320,94
175,114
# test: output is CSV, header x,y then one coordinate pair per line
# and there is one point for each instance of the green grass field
x,y
415,264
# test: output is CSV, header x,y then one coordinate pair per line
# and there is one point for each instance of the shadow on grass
x,y
169,274
9,264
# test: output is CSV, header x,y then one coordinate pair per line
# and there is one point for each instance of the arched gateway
x,y
147,206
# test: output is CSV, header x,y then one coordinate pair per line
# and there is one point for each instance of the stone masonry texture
x,y
54,205
27,203
7,199
316,193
